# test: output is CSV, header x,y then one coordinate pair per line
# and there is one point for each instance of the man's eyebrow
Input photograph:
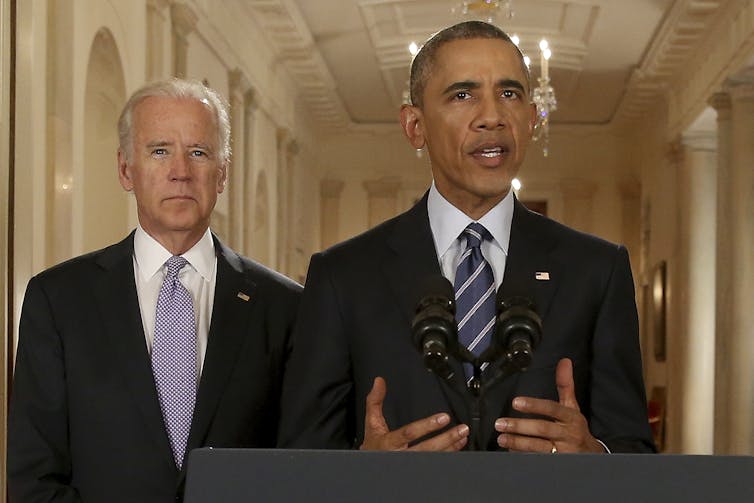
x,y
508,83
458,86
200,145
470,84
159,143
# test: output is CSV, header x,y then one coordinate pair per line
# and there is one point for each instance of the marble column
x,y
237,87
183,23
250,110
329,211
287,151
630,196
739,224
697,223
723,281
382,197
157,18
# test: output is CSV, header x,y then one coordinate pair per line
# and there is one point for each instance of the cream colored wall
x,y
5,169
698,354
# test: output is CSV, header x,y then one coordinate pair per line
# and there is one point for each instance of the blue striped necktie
x,y
475,294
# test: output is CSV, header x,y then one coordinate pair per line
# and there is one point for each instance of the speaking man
x,y
356,379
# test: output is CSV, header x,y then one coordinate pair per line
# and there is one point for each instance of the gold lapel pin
x,y
243,297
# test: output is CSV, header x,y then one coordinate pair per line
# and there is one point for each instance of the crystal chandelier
x,y
485,10
543,97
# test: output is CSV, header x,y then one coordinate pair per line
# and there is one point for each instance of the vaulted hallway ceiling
x,y
611,58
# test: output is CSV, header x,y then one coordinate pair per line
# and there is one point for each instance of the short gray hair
x,y
182,89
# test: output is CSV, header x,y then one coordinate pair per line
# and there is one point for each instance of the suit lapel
x,y
234,294
412,260
532,272
118,302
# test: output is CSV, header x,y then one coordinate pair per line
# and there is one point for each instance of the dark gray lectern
x,y
240,475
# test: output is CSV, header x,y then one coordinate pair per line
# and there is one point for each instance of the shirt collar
x,y
151,255
447,222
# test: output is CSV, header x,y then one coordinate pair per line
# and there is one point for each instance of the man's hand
x,y
567,432
378,437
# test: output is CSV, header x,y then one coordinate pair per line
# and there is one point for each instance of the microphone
x,y
433,329
518,331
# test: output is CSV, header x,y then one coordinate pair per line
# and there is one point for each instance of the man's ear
x,y
412,121
124,172
222,180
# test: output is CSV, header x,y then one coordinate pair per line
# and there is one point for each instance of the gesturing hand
x,y
377,435
568,430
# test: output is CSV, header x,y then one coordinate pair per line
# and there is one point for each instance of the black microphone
x,y
518,331
434,329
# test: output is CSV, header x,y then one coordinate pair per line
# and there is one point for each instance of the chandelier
x,y
543,97
485,10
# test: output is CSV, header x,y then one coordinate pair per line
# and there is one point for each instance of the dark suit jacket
x,y
85,422
354,324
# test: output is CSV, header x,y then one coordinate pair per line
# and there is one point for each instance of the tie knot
x,y
175,264
475,233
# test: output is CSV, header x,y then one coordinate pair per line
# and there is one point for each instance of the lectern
x,y
271,475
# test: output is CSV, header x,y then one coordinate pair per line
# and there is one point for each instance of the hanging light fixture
x,y
486,10
543,97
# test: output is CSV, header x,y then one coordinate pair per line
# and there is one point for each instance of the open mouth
x,y
490,152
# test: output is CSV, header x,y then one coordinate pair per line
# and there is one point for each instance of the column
x,y
697,223
382,199
250,107
675,302
329,219
183,23
741,229
287,151
237,86
723,281
156,22
578,202
630,196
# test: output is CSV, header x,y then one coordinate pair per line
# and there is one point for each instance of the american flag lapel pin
x,y
243,297
542,276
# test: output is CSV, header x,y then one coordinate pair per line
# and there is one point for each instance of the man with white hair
x,y
132,355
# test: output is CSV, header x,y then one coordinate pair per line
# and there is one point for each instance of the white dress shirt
x,y
448,222
198,276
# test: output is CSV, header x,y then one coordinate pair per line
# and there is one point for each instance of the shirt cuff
x,y
603,446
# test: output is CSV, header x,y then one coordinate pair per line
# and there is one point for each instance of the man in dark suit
x,y
355,377
132,355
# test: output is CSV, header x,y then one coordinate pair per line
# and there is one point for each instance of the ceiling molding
x,y
294,46
680,33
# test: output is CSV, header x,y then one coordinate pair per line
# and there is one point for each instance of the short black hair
x,y
425,58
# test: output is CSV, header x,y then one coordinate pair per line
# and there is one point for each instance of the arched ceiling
x,y
611,58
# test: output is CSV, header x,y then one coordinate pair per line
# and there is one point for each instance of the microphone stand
x,y
477,388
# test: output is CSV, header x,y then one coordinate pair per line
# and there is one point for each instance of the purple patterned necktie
x,y
475,294
174,357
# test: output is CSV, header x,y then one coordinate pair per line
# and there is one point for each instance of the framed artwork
x,y
658,310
